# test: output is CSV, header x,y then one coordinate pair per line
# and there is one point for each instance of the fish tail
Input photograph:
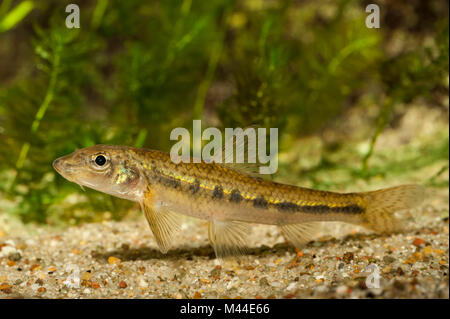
x,y
382,204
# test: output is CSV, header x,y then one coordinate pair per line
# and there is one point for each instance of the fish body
x,y
228,198
215,192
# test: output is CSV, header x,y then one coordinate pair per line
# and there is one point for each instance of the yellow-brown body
x,y
215,192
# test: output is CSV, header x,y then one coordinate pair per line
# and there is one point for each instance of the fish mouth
x,y
63,169
57,165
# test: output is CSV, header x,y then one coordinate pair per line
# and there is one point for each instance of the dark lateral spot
x,y
287,207
170,182
235,196
217,192
260,202
315,209
337,209
195,187
350,209
320,209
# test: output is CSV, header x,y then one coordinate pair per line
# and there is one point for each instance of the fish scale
x,y
257,194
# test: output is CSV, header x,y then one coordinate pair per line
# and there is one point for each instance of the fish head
x,y
105,168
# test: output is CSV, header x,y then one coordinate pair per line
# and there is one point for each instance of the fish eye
x,y
100,160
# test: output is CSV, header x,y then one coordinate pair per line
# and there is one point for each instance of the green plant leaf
x,y
12,18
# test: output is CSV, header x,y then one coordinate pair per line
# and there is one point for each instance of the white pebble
x,y
292,287
341,290
7,250
143,283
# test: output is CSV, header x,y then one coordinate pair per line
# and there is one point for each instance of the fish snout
x,y
57,163
62,166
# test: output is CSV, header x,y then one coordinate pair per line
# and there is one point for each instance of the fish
x,y
229,198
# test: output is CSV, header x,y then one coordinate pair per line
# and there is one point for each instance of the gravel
x,y
121,260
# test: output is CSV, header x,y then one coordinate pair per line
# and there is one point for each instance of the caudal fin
x,y
382,205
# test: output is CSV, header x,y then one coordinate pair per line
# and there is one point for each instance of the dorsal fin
x,y
250,166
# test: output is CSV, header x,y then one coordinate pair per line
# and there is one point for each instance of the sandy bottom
x,y
121,260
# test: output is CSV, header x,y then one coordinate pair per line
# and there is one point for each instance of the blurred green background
x,y
136,69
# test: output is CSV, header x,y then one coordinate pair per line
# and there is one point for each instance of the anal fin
x,y
228,238
300,234
163,223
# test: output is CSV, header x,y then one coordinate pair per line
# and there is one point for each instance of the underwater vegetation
x,y
134,70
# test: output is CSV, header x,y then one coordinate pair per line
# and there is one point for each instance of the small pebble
x,y
388,259
348,256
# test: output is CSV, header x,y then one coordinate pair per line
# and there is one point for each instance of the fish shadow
x,y
188,253
126,253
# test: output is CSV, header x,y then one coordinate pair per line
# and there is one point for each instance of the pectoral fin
x,y
228,238
163,223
